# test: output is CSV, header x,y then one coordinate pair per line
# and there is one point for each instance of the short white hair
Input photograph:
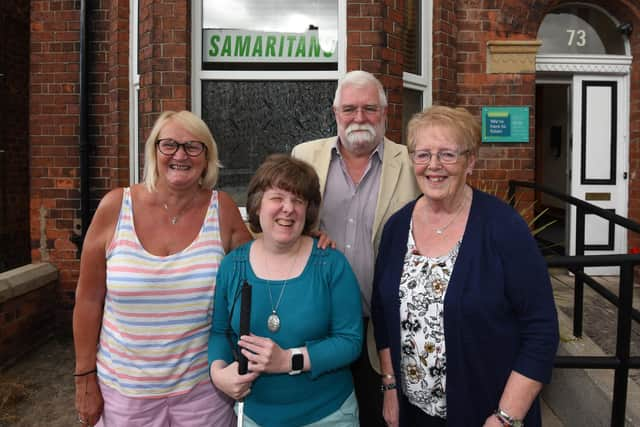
x,y
360,79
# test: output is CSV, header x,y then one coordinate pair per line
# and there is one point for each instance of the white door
x,y
599,161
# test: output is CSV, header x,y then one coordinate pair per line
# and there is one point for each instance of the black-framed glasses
x,y
352,110
169,147
446,157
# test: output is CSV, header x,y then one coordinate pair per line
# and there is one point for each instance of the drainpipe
x,y
85,214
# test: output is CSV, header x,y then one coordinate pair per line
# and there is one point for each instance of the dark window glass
x,y
252,119
413,38
411,104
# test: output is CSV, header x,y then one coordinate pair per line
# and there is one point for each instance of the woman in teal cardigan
x,y
306,326
463,310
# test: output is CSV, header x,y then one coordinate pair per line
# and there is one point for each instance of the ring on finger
x,y
82,420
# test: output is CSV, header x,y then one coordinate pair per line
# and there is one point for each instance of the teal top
x,y
320,309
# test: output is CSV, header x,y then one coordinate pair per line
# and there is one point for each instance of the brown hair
x,y
286,173
464,125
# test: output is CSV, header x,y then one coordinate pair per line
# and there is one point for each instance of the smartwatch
x,y
297,361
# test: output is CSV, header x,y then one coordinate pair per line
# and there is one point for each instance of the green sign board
x,y
505,124
224,45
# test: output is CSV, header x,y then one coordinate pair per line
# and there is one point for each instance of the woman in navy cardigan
x,y
463,310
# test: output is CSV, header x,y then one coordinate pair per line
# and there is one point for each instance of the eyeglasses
x,y
169,147
352,110
446,157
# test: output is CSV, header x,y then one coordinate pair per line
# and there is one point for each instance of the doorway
x,y
553,169
582,150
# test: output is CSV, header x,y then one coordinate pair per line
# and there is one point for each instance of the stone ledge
x,y
512,56
27,278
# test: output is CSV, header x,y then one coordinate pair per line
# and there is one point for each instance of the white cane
x,y
240,413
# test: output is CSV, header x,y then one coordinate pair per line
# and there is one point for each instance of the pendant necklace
x,y
175,218
440,230
273,321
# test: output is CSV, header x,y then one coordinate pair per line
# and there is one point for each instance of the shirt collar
x,y
379,150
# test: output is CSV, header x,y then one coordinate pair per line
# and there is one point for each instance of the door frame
x,y
561,69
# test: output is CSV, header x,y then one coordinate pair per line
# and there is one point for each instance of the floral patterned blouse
x,y
423,361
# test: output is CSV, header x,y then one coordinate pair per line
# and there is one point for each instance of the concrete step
x,y
578,397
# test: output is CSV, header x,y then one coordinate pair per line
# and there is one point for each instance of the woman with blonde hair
x,y
144,300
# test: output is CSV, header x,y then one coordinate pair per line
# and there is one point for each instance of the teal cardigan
x,y
319,309
499,312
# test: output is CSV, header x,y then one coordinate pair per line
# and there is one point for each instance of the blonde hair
x,y
464,125
195,126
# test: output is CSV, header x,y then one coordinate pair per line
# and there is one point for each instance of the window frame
x,y
198,74
423,82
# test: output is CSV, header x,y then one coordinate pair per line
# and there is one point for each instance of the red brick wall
x,y
165,59
14,144
461,29
444,36
374,44
54,125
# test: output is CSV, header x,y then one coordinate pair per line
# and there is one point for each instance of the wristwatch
x,y
507,420
297,361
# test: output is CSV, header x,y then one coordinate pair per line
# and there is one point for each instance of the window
x,y
259,35
417,59
576,29
264,75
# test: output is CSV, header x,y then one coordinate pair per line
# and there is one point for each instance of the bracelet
x,y
388,376
84,374
506,419
387,387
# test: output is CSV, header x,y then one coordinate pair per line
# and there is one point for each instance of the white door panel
x,y
599,161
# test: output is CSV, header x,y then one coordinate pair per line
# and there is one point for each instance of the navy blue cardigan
x,y
499,311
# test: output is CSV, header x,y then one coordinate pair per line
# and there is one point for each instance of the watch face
x,y
297,362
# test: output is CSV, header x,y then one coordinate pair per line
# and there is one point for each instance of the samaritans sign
x,y
258,46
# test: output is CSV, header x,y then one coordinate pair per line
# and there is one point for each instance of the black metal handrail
x,y
622,361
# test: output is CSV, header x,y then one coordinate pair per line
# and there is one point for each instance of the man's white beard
x,y
360,137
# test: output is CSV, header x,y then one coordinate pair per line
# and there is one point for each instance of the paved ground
x,y
38,391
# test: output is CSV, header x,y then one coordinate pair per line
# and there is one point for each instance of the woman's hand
x,y
89,401
390,408
264,354
227,379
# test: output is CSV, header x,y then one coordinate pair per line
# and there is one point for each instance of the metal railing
x,y
622,360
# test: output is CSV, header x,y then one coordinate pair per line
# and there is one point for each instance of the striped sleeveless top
x,y
158,309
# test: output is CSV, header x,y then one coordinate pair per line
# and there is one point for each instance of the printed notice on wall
x,y
224,45
505,124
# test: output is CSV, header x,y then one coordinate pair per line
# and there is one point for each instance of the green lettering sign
x,y
291,39
214,45
271,46
257,46
301,50
314,47
242,45
226,46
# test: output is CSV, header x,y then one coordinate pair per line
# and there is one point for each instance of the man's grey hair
x,y
360,79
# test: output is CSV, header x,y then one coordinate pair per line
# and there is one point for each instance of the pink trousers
x,y
202,406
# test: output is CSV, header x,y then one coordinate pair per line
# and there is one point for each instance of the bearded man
x,y
364,179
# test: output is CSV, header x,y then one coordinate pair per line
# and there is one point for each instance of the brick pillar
x,y
165,58
374,44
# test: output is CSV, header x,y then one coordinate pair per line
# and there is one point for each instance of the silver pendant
x,y
174,220
273,322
